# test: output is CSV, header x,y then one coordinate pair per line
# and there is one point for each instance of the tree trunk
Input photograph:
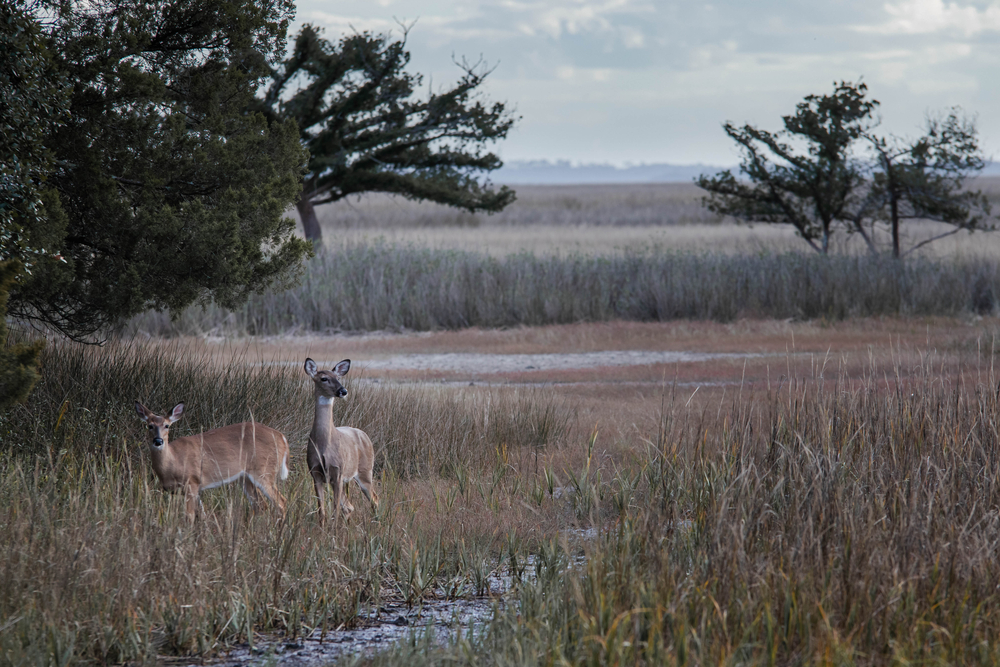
x,y
310,225
894,216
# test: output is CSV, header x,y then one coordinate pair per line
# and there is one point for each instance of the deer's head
x,y
328,382
158,426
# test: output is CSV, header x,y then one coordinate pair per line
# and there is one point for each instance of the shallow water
x,y
393,624
379,630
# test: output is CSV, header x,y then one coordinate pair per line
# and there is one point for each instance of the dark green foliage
x,y
835,183
381,286
19,362
810,191
367,132
173,192
33,101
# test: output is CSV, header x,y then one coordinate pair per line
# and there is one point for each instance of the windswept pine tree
x,y
368,131
18,362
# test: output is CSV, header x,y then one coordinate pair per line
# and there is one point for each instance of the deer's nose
x,y
341,392
158,442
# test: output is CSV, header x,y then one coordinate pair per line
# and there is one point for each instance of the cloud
x,y
345,25
573,17
921,17
618,72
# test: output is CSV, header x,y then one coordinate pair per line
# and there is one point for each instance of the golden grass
x,y
782,522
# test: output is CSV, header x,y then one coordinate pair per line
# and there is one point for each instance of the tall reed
x,y
834,526
381,286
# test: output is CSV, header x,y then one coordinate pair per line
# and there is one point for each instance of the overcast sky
x,y
644,81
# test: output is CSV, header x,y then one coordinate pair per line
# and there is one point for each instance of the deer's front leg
x,y
320,484
337,484
346,504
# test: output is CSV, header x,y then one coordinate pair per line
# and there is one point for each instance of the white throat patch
x,y
324,400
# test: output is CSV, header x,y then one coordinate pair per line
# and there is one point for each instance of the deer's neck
x,y
323,427
165,463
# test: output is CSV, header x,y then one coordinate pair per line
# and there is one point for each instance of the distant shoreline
x,y
562,172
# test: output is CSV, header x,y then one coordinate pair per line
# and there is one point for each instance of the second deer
x,y
336,455
249,452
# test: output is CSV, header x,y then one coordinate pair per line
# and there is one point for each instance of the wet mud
x,y
392,624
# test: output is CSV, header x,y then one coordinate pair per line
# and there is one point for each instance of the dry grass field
x,y
812,490
575,365
684,491
604,219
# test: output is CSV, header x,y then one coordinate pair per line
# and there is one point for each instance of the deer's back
x,y
231,449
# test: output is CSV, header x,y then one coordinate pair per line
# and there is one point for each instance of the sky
x,y
628,82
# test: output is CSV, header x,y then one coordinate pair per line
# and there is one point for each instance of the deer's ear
x,y
340,370
143,412
176,413
311,369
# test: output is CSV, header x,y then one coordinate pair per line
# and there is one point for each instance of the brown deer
x,y
251,453
336,455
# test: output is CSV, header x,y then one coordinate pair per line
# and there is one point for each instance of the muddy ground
x,y
618,375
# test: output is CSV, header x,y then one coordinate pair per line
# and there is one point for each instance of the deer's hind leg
x,y
256,488
365,481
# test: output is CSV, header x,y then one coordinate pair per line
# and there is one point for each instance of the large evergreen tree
x,y
33,102
367,131
18,362
173,191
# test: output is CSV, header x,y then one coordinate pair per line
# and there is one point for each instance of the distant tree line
x,y
830,169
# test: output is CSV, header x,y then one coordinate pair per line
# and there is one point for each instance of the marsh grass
x,y
554,205
99,565
852,523
839,525
380,286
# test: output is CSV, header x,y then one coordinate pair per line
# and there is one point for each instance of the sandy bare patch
x,y
512,363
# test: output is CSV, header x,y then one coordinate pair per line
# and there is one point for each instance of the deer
x,y
337,454
249,452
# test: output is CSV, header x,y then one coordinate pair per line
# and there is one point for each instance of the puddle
x,y
378,631
460,362
392,623
395,623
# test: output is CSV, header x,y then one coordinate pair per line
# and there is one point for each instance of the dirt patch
x,y
618,374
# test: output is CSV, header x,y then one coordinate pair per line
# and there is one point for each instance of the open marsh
x,y
687,459
601,219
841,480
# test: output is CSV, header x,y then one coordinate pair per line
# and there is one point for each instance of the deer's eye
x,y
151,427
166,427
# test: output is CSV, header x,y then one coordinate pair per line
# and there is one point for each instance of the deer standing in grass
x,y
336,455
251,453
